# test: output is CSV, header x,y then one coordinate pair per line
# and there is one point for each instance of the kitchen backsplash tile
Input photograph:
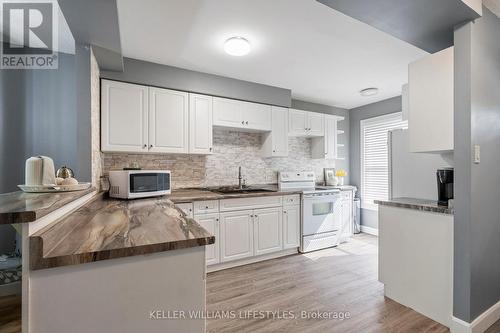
x,y
231,150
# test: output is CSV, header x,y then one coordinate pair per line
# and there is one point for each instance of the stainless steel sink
x,y
236,190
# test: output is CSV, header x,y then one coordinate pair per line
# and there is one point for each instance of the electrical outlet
x,y
477,154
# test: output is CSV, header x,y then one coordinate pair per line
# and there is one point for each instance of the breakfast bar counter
x,y
107,228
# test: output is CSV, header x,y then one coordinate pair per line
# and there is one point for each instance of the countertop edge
x,y
38,261
31,215
415,206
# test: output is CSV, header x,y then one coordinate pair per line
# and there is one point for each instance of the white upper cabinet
x,y
168,121
241,115
305,123
316,124
227,112
257,116
326,147
200,124
124,117
297,122
275,143
431,105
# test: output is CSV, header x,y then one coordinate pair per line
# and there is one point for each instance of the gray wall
x,y
343,125
148,73
369,218
46,112
477,194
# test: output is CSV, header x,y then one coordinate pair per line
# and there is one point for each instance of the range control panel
x,y
302,176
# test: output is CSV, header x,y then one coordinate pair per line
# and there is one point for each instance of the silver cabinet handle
x,y
150,146
210,148
243,122
145,146
246,122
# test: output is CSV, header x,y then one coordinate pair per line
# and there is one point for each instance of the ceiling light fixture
x,y
369,92
237,46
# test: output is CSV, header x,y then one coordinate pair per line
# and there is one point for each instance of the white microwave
x,y
133,184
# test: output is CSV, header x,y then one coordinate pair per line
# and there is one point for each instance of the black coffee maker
x,y
445,185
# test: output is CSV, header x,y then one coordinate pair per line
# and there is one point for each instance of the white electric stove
x,y
321,210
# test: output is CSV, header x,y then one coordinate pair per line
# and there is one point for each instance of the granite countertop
x,y
107,228
21,207
417,204
206,193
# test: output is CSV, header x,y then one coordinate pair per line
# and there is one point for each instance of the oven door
x,y
321,213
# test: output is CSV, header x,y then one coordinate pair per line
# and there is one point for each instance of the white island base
x,y
416,260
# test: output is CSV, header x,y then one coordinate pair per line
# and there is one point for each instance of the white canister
x,y
40,171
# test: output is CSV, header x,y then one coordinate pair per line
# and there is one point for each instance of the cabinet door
x,y
124,117
187,208
315,124
200,124
168,121
257,116
291,226
227,112
330,137
347,217
297,120
431,101
236,235
211,223
280,131
268,230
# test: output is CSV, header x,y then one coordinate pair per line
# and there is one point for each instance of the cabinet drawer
x,y
291,200
250,203
205,207
187,208
346,195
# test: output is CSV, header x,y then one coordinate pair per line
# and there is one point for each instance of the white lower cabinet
x,y
267,230
211,223
248,227
291,226
236,235
347,216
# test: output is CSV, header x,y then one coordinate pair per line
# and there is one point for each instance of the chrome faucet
x,y
240,184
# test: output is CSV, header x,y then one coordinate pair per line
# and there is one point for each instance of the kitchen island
x,y
416,255
112,265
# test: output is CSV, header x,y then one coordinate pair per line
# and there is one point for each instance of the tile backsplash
x,y
231,150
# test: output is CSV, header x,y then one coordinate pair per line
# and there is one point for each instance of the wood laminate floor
x,y
342,279
10,314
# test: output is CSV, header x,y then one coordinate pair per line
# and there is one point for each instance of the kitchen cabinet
x,y
326,147
304,123
124,117
236,235
431,104
347,215
187,208
241,115
267,226
316,124
200,124
168,121
275,143
291,226
211,223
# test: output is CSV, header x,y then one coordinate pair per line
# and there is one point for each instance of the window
x,y
375,157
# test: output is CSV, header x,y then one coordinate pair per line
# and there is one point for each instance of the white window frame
x,y
362,125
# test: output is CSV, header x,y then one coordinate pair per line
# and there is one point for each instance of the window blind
x,y
375,157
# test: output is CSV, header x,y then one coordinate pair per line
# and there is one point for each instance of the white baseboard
x,y
369,230
251,260
480,324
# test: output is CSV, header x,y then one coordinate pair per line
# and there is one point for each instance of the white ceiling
x,y
322,55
